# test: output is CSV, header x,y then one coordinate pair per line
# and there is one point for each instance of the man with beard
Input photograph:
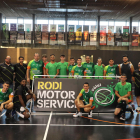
x,y
127,69
52,67
136,79
6,72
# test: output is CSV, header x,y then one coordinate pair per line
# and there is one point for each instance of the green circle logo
x,y
104,96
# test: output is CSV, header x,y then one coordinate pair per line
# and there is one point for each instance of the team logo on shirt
x,y
104,96
12,68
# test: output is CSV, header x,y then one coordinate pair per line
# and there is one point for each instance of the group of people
x,y
36,68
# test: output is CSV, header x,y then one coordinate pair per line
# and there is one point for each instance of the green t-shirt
x,y
123,89
69,68
78,70
87,96
36,68
99,70
63,68
110,71
52,68
5,96
89,68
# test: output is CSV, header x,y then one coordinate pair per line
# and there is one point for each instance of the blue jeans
x,y
10,86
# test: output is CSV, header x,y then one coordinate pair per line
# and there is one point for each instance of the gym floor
x,y
62,126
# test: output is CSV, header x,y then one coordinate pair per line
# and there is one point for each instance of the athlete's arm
x,y
117,94
28,71
57,73
132,69
21,100
120,72
89,105
104,74
127,95
47,72
32,94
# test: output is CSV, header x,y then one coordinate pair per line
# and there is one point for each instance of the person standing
x,y
128,69
136,79
89,67
20,71
110,70
62,66
70,66
78,70
99,69
35,67
7,72
44,59
52,67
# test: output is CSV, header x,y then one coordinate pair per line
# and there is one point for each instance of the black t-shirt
x,y
20,71
21,90
6,73
126,69
136,74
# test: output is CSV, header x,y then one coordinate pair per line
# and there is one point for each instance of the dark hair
x,y
62,55
125,55
36,53
124,75
79,58
86,83
99,58
22,79
6,82
71,58
88,55
111,59
44,55
21,57
52,54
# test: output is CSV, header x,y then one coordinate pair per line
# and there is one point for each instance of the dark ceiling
x,y
76,9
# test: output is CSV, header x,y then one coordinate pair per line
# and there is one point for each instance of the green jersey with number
x,y
5,96
36,68
69,68
78,70
52,68
110,71
87,96
63,68
123,89
89,68
99,70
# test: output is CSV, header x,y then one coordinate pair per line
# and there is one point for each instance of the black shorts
x,y
137,91
17,106
119,105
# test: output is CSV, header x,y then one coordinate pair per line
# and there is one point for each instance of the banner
x,y
5,33
71,34
102,35
45,36
13,27
20,37
135,38
61,38
27,33
135,30
37,27
78,33
13,37
53,34
21,27
45,28
110,36
93,35
125,41
118,38
60,94
60,28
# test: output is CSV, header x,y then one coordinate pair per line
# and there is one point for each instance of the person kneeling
x,y
123,92
87,104
6,98
20,99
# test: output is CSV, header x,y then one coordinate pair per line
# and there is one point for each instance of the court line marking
x,y
24,124
91,125
47,128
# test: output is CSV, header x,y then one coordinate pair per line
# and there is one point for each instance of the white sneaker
x,y
138,109
90,114
79,114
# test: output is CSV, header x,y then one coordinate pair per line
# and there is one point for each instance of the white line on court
x,y
47,128
93,125
24,124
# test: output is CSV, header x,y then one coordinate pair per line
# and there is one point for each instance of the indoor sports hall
x,y
69,70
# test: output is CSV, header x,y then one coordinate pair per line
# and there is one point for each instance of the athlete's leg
x,y
26,114
9,106
87,109
30,96
79,105
117,111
